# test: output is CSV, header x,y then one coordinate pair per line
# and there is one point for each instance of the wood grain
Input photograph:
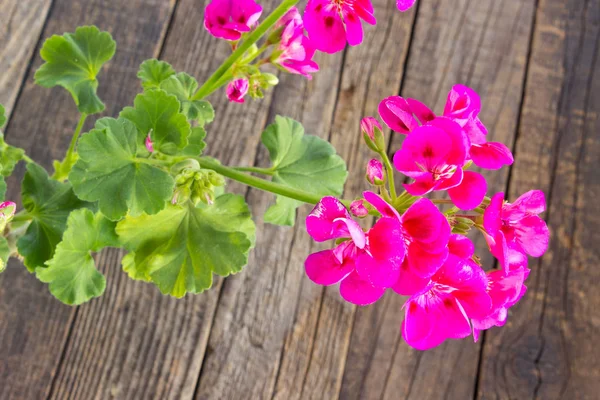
x,y
22,22
483,44
548,348
35,326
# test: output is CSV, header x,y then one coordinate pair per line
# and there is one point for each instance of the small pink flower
x,y
237,89
405,5
401,114
456,294
515,230
368,126
505,290
434,156
332,23
366,264
148,143
375,173
463,107
228,19
358,209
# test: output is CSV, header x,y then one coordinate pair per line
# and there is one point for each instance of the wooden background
x,y
269,333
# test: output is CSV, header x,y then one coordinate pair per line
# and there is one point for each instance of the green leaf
x,y
109,172
157,113
304,162
184,86
152,72
73,61
4,253
64,167
9,157
2,116
181,247
71,273
48,203
2,188
196,143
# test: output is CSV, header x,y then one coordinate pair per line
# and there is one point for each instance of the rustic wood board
x,y
548,348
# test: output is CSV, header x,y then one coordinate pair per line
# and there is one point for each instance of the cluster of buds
x,y
195,184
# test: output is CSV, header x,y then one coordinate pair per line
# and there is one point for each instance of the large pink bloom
x,y
515,230
333,23
463,106
443,310
295,51
228,19
505,290
366,264
434,156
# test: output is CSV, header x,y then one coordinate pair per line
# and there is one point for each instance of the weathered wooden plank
x,y
548,348
20,30
482,44
35,326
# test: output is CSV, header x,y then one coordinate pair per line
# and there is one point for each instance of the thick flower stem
x,y
260,183
390,174
210,85
263,171
76,135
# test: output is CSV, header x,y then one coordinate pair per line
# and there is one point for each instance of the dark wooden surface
x,y
269,333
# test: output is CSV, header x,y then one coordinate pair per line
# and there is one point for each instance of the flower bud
x,y
375,173
368,125
148,143
236,90
358,209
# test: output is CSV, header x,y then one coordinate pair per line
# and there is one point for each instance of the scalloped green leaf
x,y
181,247
9,157
73,61
152,72
304,162
4,253
196,143
71,274
2,116
156,112
49,204
109,172
184,86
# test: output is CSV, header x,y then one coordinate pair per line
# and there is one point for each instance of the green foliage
x,y
184,86
73,61
196,143
4,253
9,157
303,162
64,167
157,113
49,204
2,116
152,72
71,273
181,247
109,172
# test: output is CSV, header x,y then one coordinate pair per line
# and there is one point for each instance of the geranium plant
x,y
141,181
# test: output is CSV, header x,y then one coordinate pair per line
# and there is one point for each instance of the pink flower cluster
x,y
413,248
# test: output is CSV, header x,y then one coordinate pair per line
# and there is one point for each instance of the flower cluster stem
x,y
390,174
210,85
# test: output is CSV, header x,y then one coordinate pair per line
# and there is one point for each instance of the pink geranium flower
x,y
295,51
515,230
237,89
365,264
505,290
228,19
434,156
401,114
463,106
333,23
456,294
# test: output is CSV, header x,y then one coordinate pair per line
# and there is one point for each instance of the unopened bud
x,y
358,209
368,126
375,172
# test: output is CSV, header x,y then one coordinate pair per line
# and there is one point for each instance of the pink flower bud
x,y
368,125
358,209
375,173
237,89
149,145
7,210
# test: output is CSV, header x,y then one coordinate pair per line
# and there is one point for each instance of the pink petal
x,y
409,283
475,130
353,229
404,5
428,146
320,223
419,188
354,30
381,205
463,103
425,263
461,246
532,202
421,111
492,215
397,114
491,155
364,10
323,268
358,291
325,27
455,180
533,235
422,221
470,193
457,153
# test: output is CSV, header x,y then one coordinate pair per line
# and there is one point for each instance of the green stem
x,y
209,86
263,171
390,174
260,183
76,135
